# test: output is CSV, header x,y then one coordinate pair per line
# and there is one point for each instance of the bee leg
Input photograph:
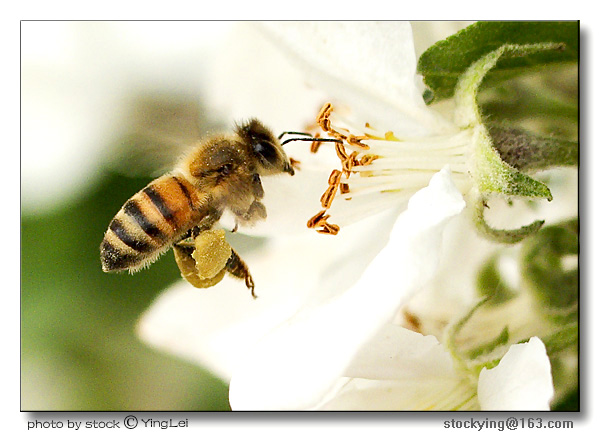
x,y
194,232
206,223
257,188
185,239
184,248
256,211
238,268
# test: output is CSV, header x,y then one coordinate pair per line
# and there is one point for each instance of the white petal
x,y
215,326
193,324
402,370
521,381
250,77
295,366
424,393
369,66
396,353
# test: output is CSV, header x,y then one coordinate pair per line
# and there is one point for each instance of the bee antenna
x,y
312,139
292,133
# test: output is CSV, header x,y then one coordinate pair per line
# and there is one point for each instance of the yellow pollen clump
x,y
205,266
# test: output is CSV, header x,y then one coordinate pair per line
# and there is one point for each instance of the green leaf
x,y
443,63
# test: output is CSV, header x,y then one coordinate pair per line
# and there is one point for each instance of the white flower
x,y
321,334
307,353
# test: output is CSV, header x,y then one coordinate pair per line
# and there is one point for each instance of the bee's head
x,y
268,152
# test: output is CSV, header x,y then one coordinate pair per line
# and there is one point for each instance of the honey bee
x,y
180,209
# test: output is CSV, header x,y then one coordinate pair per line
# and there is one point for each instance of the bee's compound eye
x,y
266,150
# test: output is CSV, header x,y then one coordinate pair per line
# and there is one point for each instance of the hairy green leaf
x,y
443,63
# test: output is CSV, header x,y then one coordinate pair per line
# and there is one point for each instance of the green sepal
x,y
508,236
452,331
485,354
491,174
530,153
489,347
494,176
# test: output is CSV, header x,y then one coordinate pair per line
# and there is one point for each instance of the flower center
x,y
374,162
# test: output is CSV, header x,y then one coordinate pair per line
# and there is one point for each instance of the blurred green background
x,y
79,350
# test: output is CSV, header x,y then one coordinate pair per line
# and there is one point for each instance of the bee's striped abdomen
x,y
149,223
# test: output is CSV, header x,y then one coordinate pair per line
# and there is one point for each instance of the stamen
x,y
335,177
329,229
314,147
349,163
367,159
341,151
327,197
403,165
320,221
354,140
323,117
317,220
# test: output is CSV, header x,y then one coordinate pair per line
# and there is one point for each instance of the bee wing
x,y
157,130
139,155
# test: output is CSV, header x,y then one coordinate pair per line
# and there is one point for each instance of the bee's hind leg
x,y
238,268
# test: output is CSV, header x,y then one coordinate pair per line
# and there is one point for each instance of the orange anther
x,y
316,219
334,177
341,151
327,197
